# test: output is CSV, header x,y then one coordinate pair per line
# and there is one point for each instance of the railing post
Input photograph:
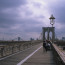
x,y
2,49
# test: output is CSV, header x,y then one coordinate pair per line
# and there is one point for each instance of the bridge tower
x,y
48,30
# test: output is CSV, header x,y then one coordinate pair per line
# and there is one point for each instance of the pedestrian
x,y
44,46
48,45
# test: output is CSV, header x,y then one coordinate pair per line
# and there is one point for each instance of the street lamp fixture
x,y
52,20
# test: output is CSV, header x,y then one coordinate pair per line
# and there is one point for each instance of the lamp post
x,y
52,20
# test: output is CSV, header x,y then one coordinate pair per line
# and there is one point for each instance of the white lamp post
x,y
52,20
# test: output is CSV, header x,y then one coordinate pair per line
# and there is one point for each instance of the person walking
x,y
44,46
48,45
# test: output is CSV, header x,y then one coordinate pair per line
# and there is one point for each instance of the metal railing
x,y
11,47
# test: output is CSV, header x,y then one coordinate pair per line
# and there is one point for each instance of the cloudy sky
x,y
25,18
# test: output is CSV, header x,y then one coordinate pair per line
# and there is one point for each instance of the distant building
x,y
63,38
31,39
19,38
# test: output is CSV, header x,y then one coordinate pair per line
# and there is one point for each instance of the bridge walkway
x,y
33,56
41,58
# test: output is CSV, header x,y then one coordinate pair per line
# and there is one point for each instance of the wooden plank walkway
x,y
41,58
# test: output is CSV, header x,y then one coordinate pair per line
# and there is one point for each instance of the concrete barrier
x,y
58,54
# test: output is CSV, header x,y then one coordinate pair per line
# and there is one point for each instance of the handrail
x,y
60,52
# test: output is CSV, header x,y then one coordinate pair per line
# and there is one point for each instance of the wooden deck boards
x,y
41,58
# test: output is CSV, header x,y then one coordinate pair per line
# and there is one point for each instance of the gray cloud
x,y
11,3
32,25
58,9
12,24
37,5
6,20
